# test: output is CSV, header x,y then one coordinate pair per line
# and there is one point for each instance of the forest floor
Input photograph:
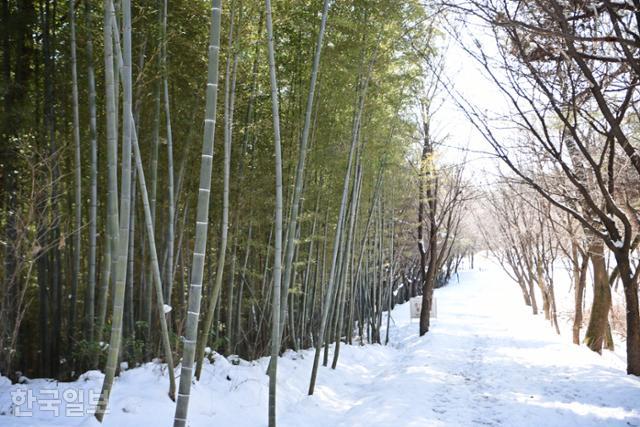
x,y
486,362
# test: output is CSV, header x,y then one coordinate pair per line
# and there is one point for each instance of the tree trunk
x,y
429,197
633,312
525,291
580,285
532,293
598,321
546,303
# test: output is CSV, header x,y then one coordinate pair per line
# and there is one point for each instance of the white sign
x,y
415,307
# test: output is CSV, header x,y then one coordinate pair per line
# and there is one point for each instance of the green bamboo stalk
x,y
170,174
112,226
391,273
125,200
77,237
202,221
155,265
164,329
155,148
277,253
93,209
355,204
214,291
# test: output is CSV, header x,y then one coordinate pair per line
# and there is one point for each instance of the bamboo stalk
x,y
202,220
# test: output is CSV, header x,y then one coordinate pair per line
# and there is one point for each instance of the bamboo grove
x,y
181,179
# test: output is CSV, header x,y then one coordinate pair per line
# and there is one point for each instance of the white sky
x,y
460,138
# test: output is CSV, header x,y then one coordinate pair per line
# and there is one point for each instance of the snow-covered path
x,y
486,362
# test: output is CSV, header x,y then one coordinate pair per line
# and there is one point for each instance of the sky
x,y
461,141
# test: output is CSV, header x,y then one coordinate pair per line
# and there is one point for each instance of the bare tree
x,y
557,76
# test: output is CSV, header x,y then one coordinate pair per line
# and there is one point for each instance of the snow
x,y
395,292
486,362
